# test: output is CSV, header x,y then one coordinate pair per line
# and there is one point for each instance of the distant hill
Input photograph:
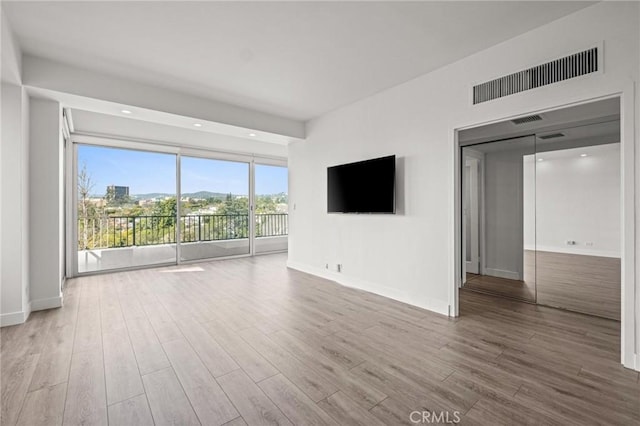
x,y
199,194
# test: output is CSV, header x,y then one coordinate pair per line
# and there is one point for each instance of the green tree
x,y
168,208
86,211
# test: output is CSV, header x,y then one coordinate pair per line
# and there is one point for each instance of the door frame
x,y
630,291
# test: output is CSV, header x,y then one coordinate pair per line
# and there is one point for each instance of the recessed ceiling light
x,y
126,111
540,159
253,135
583,155
197,124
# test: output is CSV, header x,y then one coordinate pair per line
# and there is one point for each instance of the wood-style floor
x,y
247,341
514,289
579,283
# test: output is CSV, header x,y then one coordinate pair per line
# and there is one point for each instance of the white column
x,y
46,219
14,207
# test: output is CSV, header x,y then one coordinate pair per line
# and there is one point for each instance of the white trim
x,y
49,303
457,268
629,296
179,209
502,273
252,207
69,120
437,306
69,200
13,318
72,182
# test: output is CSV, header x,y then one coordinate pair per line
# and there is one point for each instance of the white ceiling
x,y
293,59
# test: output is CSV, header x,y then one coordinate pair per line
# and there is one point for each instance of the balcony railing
x,y
129,231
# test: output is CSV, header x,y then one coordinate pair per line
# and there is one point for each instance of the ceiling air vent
x,y
565,68
552,136
525,120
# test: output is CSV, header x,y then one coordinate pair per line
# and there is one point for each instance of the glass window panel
x,y
214,208
126,208
272,208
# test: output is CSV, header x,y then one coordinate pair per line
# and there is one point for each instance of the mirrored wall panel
x,y
578,228
498,218
541,214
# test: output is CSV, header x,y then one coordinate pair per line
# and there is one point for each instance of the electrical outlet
x,y
326,266
571,243
589,243
339,267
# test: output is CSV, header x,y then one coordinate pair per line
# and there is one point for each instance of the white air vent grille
x,y
552,136
565,68
525,120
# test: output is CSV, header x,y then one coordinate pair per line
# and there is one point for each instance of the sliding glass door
x,y
125,209
136,208
214,208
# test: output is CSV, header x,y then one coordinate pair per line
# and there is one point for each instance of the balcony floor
x,y
248,340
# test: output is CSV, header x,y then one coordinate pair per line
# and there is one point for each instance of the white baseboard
x,y
13,318
501,273
49,303
436,306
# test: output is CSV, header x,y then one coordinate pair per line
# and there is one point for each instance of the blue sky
x,y
147,172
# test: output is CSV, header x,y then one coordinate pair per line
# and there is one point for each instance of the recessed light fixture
x,y
253,135
583,155
126,111
540,159
197,124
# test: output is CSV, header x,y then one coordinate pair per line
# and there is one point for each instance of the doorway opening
x,y
541,209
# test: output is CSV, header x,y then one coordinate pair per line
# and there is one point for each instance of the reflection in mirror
x,y
577,237
498,214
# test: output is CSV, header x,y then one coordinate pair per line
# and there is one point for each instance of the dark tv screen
x,y
362,187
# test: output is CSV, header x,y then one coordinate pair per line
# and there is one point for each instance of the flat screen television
x,y
362,187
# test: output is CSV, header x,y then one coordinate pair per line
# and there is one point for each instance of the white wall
x,y
11,62
14,171
576,198
411,256
45,195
